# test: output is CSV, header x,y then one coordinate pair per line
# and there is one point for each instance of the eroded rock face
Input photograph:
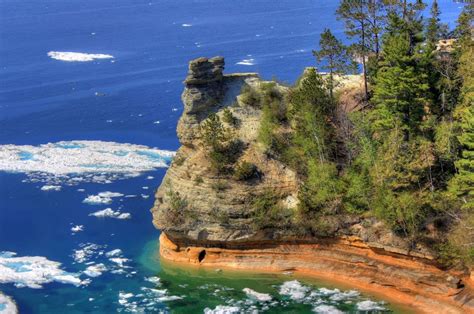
x,y
218,209
215,213
205,88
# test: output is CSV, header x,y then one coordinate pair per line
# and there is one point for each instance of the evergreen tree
x,y
334,57
400,91
354,13
435,30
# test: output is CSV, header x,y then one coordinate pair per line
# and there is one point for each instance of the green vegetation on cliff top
x,y
405,156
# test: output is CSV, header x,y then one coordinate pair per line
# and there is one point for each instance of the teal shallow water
x,y
206,289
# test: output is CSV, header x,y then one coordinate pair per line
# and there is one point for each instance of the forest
x,y
403,152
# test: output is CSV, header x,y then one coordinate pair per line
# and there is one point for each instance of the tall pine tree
x,y
333,57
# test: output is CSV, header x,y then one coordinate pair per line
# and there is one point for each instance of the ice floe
x,y
263,297
250,61
294,289
110,213
99,261
222,309
51,188
326,309
77,56
7,305
74,162
77,228
186,25
101,198
114,253
369,305
146,300
95,270
34,271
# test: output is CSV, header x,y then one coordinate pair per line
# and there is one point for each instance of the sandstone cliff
x,y
208,219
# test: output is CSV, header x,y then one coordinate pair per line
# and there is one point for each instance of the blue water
x,y
44,100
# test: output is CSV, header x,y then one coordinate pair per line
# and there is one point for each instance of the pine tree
x,y
334,57
463,183
434,27
354,13
400,91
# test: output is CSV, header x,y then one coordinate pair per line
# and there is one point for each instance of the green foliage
x,y
229,118
250,97
310,112
334,57
435,30
321,189
267,213
213,131
198,180
176,212
274,113
245,171
219,186
223,150
400,91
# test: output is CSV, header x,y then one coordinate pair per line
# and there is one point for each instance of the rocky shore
x,y
214,225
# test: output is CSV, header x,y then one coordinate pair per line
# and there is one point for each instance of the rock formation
x,y
207,219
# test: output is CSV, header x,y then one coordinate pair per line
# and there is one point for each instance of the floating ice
x,y
326,309
155,280
294,289
369,305
114,253
74,162
97,200
264,297
101,198
33,271
110,213
95,270
7,305
86,252
186,25
119,261
77,56
51,188
77,228
222,309
250,61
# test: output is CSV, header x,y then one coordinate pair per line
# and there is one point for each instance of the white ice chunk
x,y
263,297
51,188
33,271
77,56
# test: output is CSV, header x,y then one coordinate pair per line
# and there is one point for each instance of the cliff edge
x,y
212,218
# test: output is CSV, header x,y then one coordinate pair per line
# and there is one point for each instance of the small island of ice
x,y
77,56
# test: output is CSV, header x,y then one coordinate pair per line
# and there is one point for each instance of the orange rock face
x,y
403,279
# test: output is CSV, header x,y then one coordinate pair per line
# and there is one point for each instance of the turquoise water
x,y
132,98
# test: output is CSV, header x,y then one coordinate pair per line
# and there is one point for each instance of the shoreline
x,y
301,260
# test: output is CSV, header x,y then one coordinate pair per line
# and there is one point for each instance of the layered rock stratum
x,y
215,224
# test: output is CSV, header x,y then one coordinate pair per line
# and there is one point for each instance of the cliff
x,y
209,218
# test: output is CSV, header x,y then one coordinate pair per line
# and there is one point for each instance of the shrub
x,y
268,214
219,216
245,171
229,118
176,213
198,180
250,96
179,160
220,186
223,151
